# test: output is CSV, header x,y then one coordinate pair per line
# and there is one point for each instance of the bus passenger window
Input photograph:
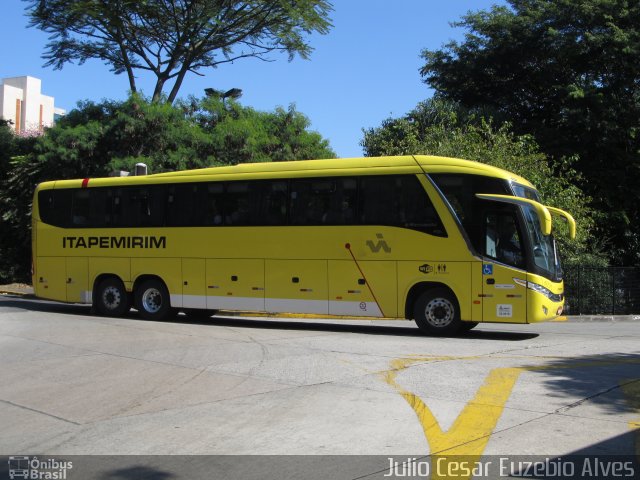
x,y
274,203
310,200
55,206
81,208
240,205
214,204
146,206
342,202
398,200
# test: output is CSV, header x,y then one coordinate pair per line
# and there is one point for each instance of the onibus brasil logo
x,y
49,469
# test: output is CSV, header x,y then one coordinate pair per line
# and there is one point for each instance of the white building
x,y
22,102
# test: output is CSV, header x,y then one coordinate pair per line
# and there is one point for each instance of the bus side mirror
x,y
544,217
569,219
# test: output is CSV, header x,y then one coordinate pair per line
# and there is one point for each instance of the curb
x,y
17,293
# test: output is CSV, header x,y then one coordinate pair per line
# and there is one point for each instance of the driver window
x,y
503,241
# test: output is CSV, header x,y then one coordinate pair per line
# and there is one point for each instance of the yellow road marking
x,y
631,389
473,427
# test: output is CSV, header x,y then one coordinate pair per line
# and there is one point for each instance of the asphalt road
x,y
76,384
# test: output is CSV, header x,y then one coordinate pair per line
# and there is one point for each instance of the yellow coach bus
x,y
446,242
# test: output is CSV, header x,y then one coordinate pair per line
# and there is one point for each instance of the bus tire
x,y
111,298
153,301
436,312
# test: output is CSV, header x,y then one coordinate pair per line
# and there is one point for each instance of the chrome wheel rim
x,y
440,312
152,300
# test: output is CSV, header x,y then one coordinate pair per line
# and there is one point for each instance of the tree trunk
x,y
177,85
157,92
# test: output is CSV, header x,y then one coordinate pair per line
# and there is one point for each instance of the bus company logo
x,y
33,468
149,241
381,244
426,268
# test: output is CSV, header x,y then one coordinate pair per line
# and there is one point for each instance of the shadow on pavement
x,y
349,326
611,382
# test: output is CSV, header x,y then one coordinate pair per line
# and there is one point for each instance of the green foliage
x,y
170,38
443,128
7,147
95,139
241,134
15,222
98,138
565,71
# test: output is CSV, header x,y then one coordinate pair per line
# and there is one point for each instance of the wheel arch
x,y
147,276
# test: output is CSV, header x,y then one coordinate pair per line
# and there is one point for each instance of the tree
x,y
565,71
444,128
171,38
241,134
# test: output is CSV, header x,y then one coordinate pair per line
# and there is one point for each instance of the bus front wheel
x,y
111,298
436,312
152,300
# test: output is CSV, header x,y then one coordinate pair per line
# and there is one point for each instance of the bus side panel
x,y
503,300
77,280
194,293
235,284
299,286
168,269
455,275
120,267
477,280
372,292
50,278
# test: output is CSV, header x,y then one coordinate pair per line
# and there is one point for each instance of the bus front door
x,y
504,300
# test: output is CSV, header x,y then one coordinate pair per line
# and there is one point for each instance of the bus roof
x,y
343,166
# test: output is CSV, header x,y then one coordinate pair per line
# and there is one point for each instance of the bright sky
x,y
363,71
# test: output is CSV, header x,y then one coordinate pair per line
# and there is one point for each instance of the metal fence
x,y
602,291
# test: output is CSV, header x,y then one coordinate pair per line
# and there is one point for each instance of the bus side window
x,y
213,204
115,212
377,200
241,203
317,201
185,205
81,208
342,203
274,203
46,206
398,200
99,207
305,206
146,206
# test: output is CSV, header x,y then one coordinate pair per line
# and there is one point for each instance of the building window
x,y
18,114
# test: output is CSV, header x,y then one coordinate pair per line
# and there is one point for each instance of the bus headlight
x,y
554,297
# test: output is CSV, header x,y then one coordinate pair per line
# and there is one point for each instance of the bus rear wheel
x,y
111,298
152,300
436,312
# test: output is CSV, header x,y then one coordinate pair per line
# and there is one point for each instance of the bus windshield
x,y
544,251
